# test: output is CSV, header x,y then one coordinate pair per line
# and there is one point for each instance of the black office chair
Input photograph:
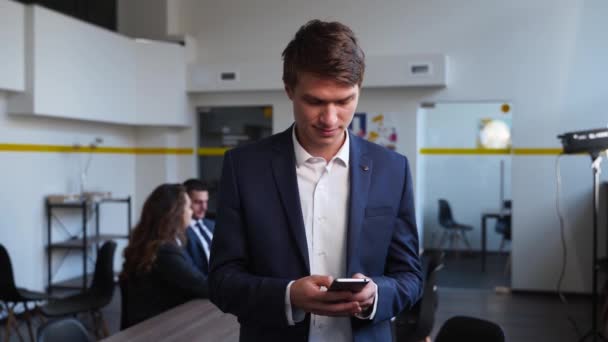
x,y
503,225
462,328
11,295
96,297
453,229
416,324
61,330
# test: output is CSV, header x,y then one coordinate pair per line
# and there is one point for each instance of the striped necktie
x,y
204,233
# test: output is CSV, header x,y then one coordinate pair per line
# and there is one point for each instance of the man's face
x,y
323,109
199,200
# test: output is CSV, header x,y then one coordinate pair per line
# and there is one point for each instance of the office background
x,y
546,58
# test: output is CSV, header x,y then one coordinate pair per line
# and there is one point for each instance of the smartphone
x,y
348,284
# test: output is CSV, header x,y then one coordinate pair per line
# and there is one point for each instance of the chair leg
x,y
11,320
451,245
100,326
433,236
7,329
28,321
466,241
454,243
442,240
104,326
508,266
94,325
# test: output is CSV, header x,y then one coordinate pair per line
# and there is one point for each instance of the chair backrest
x,y
462,328
103,279
8,289
66,329
445,214
416,324
503,227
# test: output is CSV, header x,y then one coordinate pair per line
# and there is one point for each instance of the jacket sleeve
x,y
173,266
252,298
401,285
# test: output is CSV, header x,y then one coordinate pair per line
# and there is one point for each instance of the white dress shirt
x,y
324,193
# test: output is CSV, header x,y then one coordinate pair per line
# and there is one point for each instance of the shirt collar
x,y
302,155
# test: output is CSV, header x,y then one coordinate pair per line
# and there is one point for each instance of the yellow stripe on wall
x,y
212,151
88,149
537,151
483,151
463,151
220,151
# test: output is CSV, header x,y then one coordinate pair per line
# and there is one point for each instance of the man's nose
x,y
329,116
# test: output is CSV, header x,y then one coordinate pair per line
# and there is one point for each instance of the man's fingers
x,y
334,296
337,309
321,280
364,295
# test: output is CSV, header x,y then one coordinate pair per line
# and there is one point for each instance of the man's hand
x,y
367,295
306,294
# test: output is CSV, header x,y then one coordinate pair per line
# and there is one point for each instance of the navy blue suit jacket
x,y
194,248
259,245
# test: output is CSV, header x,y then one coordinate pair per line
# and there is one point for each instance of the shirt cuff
x,y
373,313
293,315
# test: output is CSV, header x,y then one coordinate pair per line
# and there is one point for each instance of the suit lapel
x,y
284,171
360,171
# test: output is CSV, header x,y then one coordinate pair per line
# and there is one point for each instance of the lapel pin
x,y
365,167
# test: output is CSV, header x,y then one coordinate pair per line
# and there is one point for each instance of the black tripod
x,y
595,333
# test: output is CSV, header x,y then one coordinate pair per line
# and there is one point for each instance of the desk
x,y
496,214
197,320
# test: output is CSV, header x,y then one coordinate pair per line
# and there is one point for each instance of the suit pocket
x,y
378,211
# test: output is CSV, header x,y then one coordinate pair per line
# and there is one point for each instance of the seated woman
x,y
157,274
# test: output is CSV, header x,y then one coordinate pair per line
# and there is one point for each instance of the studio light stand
x,y
595,333
593,142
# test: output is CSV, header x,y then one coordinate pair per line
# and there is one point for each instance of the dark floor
x,y
463,271
523,317
463,290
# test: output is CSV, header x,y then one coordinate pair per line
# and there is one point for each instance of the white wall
x,y
72,80
546,57
154,169
160,85
12,38
27,177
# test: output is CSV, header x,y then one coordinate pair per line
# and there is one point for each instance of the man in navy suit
x,y
200,232
314,203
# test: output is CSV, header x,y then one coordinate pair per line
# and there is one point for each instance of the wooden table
x,y
197,320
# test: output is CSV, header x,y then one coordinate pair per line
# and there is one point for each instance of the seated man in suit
x,y
200,232
315,203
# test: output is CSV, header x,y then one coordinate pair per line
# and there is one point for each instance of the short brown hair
x,y
327,49
194,184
